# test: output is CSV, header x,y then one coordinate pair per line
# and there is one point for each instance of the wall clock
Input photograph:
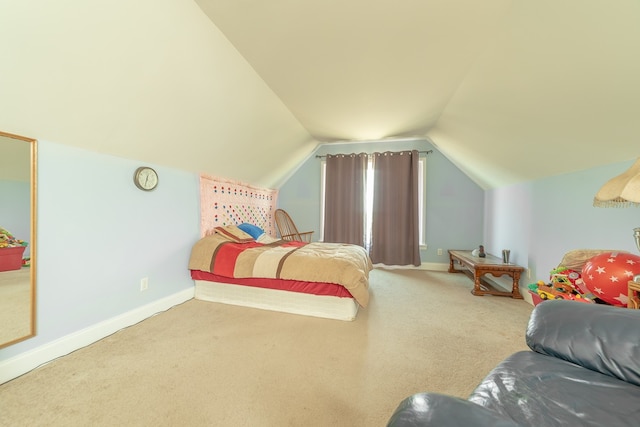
x,y
145,178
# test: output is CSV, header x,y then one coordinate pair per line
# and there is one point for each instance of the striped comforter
x,y
342,264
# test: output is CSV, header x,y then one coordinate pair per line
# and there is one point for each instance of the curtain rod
x,y
420,152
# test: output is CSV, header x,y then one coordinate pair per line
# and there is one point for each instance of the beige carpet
x,y
15,304
208,364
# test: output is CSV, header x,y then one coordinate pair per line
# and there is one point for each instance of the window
x,y
422,164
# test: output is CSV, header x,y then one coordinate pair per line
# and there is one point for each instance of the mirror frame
x,y
33,143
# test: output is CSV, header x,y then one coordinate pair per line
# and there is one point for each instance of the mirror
x,y
18,156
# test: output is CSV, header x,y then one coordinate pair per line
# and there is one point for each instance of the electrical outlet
x,y
439,251
528,273
144,284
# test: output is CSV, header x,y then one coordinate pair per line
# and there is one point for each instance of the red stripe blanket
x,y
346,265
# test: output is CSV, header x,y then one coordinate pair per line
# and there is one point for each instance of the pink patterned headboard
x,y
225,202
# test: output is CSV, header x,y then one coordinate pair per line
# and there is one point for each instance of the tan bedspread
x,y
346,265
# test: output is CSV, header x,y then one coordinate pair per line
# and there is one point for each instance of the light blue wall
x,y
538,221
15,215
98,235
542,220
508,222
454,203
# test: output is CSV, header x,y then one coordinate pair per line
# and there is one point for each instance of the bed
x,y
329,280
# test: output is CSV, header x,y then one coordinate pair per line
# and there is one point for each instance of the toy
x,y
607,275
564,283
481,252
7,240
558,290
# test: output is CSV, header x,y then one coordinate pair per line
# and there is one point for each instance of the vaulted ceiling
x,y
508,90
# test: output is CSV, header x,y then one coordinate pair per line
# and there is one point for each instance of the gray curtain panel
x,y
344,198
395,229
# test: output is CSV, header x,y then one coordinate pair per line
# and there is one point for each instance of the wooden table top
x,y
489,260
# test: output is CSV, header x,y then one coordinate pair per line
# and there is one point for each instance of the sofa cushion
x,y
599,337
434,409
539,390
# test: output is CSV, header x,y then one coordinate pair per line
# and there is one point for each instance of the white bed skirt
x,y
330,307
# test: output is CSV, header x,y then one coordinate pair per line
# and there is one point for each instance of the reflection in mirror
x,y
17,238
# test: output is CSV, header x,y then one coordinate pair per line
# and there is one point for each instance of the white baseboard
x,y
434,266
25,362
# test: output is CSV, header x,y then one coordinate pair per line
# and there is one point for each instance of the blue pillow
x,y
252,230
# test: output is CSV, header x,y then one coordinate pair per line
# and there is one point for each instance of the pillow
x,y
233,233
577,258
266,239
253,230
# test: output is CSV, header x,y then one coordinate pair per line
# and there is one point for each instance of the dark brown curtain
x,y
395,231
344,198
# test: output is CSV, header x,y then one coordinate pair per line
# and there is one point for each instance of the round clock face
x,y
145,178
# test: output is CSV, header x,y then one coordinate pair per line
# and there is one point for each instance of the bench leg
x,y
476,284
515,291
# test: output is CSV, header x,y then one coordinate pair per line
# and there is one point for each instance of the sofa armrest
x,y
599,337
433,409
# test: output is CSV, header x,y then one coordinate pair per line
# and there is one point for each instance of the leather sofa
x,y
583,369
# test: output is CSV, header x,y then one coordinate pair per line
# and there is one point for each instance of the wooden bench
x,y
476,267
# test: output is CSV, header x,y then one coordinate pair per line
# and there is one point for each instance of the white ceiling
x,y
509,91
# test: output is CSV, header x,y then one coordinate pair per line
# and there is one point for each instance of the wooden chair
x,y
287,228
634,295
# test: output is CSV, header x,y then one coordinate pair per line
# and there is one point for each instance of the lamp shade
x,y
622,190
